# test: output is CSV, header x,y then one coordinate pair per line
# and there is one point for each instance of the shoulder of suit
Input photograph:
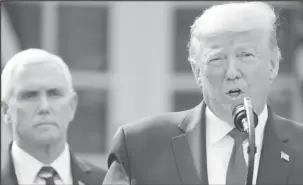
x,y
84,164
288,124
145,133
292,130
167,122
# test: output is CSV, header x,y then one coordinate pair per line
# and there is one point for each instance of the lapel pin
x,y
284,156
81,183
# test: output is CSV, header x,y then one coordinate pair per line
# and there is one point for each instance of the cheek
x,y
214,78
62,112
258,79
21,119
23,114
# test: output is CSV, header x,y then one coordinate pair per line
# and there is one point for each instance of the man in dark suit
x,y
234,53
38,103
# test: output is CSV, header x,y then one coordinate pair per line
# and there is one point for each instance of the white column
x,y
49,26
139,60
9,41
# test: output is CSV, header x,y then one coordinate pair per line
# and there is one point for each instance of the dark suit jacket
x,y
82,172
156,150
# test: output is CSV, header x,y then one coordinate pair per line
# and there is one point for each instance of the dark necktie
x,y
237,168
48,174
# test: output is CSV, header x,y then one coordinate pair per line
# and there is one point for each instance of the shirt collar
x,y
62,165
217,129
27,167
259,131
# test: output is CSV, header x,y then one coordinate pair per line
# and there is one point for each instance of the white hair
x,y
233,17
29,56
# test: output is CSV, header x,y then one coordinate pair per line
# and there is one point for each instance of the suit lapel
x,y
8,175
80,171
189,171
203,152
273,169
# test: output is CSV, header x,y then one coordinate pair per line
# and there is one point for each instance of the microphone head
x,y
239,114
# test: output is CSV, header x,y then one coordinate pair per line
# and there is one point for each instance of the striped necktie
x,y
48,174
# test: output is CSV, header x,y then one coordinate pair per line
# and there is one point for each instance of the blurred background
x,y
129,60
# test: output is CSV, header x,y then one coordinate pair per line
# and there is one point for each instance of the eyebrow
x,y
32,89
22,93
56,89
212,52
215,46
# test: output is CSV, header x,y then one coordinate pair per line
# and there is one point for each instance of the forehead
x,y
39,75
253,38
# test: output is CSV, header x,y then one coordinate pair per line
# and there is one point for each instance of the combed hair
x,y
29,56
233,17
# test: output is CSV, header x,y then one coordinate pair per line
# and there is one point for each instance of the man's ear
x,y
73,104
5,113
273,69
197,73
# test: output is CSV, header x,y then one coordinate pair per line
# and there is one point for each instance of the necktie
x,y
48,174
237,168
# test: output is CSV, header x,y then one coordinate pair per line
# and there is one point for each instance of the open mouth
x,y
234,93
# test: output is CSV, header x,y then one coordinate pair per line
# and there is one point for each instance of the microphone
x,y
245,119
240,116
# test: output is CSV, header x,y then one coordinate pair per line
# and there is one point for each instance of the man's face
x,y
41,106
232,66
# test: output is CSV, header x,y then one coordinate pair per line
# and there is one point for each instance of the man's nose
x,y
232,71
44,105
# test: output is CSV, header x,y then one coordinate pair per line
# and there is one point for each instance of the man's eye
x,y
54,92
215,61
30,94
245,54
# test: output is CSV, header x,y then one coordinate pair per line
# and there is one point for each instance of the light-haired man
x,y
38,102
234,53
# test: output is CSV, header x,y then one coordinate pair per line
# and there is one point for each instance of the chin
x,y
227,107
46,139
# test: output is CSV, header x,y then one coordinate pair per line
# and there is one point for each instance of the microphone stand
x,y
251,138
245,119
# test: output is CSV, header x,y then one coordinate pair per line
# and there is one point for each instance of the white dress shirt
x,y
27,167
219,146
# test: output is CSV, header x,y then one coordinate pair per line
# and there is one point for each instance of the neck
x,y
222,112
45,153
